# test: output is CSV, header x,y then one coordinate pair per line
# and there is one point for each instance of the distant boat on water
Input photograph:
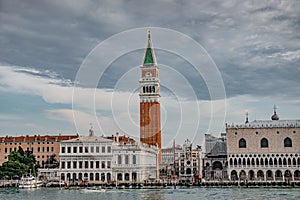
x,y
92,190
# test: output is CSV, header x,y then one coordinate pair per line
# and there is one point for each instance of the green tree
x,y
19,163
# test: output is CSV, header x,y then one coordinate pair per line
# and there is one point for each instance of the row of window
x,y
264,143
28,143
258,132
148,89
264,162
86,164
85,176
86,149
126,160
97,176
264,155
39,149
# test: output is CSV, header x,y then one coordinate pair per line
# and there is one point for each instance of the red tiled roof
x,y
34,138
122,139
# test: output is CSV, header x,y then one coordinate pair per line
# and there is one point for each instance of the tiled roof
x,y
218,149
37,138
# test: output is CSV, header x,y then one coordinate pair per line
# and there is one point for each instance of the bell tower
x,y
150,127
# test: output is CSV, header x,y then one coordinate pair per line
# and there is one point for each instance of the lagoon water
x,y
160,194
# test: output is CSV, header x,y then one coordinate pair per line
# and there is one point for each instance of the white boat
x,y
29,182
92,190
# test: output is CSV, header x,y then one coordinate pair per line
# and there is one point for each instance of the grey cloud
x,y
248,40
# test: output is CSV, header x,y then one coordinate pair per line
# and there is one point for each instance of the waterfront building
x,y
150,125
189,163
215,160
107,159
264,150
169,157
133,162
41,146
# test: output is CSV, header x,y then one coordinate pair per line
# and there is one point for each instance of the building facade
x,y
215,159
87,158
134,162
115,159
41,146
169,157
189,163
150,125
264,150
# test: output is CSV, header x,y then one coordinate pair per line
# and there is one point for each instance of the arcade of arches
x,y
274,167
99,177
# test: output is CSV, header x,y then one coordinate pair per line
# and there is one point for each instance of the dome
x,y
275,117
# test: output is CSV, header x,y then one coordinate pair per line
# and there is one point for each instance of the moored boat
x,y
29,182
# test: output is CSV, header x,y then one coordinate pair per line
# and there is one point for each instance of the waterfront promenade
x,y
146,184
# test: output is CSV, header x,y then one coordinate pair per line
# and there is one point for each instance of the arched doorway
x,y
269,175
62,176
217,168
86,176
251,175
243,175
68,176
91,176
134,176
260,175
217,165
102,177
120,177
108,177
126,176
278,175
287,175
188,171
233,175
297,175
74,176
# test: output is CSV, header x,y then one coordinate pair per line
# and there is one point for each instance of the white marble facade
x,y
97,159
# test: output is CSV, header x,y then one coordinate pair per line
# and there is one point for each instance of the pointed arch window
x,y
287,142
242,143
264,143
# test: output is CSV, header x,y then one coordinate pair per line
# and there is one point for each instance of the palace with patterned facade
x,y
264,150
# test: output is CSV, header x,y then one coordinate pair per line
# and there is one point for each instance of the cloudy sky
x,y
66,64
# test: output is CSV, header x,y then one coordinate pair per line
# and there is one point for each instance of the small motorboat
x,y
92,190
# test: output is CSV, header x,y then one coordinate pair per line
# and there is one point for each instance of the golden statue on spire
x,y
148,31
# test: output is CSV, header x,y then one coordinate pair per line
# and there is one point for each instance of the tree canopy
x,y
18,164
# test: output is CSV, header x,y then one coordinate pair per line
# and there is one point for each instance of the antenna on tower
x,y
275,108
247,115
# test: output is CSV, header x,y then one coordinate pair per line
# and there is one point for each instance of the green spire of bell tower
x,y
149,57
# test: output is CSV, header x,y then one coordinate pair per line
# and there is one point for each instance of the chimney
x,y
117,133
